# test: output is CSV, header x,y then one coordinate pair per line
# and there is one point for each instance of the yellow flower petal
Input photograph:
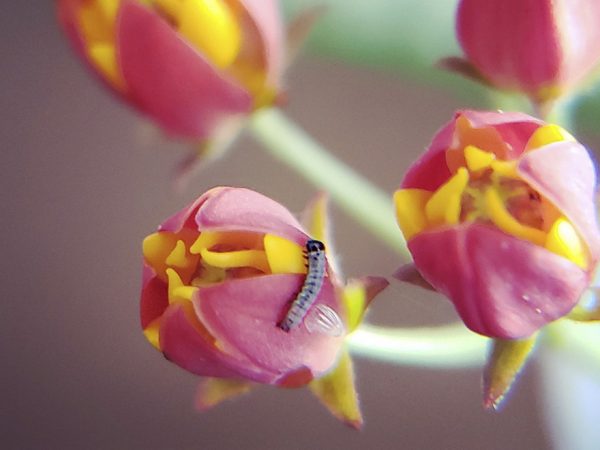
x,y
506,169
156,248
500,216
103,56
563,240
410,210
109,9
241,258
178,257
477,159
444,207
211,26
151,332
284,256
177,290
548,134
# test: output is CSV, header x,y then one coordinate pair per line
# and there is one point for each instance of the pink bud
x,y
162,57
220,275
542,48
499,216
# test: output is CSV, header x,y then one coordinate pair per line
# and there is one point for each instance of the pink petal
x,y
185,217
430,171
244,314
171,81
531,44
513,42
265,14
501,286
564,173
182,344
243,209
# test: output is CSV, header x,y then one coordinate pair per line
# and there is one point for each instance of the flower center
x,y
187,261
485,188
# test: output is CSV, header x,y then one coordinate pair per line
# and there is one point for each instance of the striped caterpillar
x,y
315,255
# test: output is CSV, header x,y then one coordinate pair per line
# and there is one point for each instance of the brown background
x,y
84,180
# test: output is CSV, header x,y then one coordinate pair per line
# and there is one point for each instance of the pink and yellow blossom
x,y
542,48
499,216
188,64
218,278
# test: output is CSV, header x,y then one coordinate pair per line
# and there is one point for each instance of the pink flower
x,y
219,277
499,216
540,47
188,65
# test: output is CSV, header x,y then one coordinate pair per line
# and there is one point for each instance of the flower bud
x,y
219,277
542,48
499,216
187,64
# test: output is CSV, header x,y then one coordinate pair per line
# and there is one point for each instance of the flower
x,y
219,277
499,216
542,48
187,64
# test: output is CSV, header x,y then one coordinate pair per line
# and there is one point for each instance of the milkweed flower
x,y
190,65
542,48
219,277
499,216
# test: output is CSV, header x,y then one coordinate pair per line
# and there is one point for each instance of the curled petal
x,y
192,349
562,172
501,286
243,314
230,209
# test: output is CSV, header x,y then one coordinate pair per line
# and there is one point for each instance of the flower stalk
x,y
292,146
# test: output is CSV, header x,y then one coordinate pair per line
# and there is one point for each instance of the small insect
x,y
315,254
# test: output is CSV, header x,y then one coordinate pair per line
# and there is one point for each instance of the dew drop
x,y
322,319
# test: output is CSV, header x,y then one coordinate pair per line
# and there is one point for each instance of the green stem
x,y
450,346
368,205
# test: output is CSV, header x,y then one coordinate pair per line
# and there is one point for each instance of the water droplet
x,y
538,310
322,319
525,297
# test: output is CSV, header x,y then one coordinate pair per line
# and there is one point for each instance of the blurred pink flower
x,y
542,48
499,216
188,64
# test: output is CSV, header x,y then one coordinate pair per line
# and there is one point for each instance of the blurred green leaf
x,y
409,37
408,34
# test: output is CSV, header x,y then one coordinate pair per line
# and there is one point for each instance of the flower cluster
x,y
499,212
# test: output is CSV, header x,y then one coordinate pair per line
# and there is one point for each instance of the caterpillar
x,y
315,255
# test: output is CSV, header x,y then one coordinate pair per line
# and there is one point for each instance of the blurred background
x,y
84,180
